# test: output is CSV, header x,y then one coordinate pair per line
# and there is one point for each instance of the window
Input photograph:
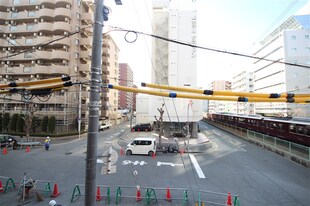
x,y
13,28
79,3
32,1
77,42
30,27
15,2
294,49
307,36
293,37
31,14
29,41
14,15
27,69
307,49
11,42
28,55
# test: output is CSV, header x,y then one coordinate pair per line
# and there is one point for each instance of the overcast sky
x,y
231,25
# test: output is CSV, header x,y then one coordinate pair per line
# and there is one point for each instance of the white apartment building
x,y
290,42
243,82
174,65
220,106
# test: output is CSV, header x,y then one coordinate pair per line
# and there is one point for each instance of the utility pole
x,y
94,103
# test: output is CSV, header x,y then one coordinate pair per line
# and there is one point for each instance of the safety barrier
x,y
8,185
41,185
217,198
77,192
150,194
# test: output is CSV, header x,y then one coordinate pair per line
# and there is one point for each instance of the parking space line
x,y
197,167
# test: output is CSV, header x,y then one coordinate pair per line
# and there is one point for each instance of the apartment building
x,y
243,82
220,106
125,79
289,42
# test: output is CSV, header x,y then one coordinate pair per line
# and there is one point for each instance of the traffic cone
x,y
55,192
121,152
1,187
98,196
138,195
27,149
154,155
229,202
182,151
168,195
138,130
5,151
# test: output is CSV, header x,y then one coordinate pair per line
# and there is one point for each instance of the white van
x,y
142,145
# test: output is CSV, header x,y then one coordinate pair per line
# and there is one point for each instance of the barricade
x,y
77,192
41,185
150,194
7,184
216,197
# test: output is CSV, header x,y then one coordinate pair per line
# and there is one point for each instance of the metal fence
x,y
290,150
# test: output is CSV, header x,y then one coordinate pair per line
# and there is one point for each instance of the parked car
x,y
8,140
105,126
142,145
142,127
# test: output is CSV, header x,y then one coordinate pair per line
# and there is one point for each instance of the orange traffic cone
x,y
1,187
229,202
121,152
168,195
181,151
27,149
138,195
5,151
154,155
98,196
55,192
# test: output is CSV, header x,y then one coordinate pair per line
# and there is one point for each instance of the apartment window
x,y
307,36
78,15
77,42
28,55
76,55
32,1
79,3
294,49
30,27
27,69
307,49
15,2
11,42
293,37
13,28
31,14
14,15
29,41
77,28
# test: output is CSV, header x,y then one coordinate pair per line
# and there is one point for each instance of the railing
x,y
290,150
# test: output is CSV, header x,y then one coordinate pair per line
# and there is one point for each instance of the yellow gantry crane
x,y
216,95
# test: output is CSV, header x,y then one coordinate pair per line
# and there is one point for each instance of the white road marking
x,y
126,162
168,163
197,167
243,149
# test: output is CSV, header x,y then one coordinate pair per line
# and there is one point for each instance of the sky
x,y
229,25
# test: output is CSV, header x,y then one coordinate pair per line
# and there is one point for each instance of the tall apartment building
x,y
33,48
174,65
110,75
220,106
243,82
125,100
289,42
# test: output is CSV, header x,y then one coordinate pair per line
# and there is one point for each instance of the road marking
x,y
243,149
126,162
197,167
168,163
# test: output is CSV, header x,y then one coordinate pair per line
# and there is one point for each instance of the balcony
x,y
33,70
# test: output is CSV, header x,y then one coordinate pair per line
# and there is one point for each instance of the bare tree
x,y
160,123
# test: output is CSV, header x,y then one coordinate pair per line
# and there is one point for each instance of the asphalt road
x,y
257,176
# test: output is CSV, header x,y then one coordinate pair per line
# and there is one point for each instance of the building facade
x,y
290,42
243,82
175,65
220,106
125,100
42,40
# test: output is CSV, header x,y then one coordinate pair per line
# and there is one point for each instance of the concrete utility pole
x,y
94,103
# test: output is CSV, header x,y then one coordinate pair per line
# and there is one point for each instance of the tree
x,y
5,122
52,124
20,123
13,122
44,123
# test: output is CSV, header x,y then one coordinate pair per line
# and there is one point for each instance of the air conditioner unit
x,y
3,49
4,35
39,62
13,8
68,6
39,48
8,9
40,34
2,62
12,22
65,47
37,7
9,48
35,34
7,76
35,20
65,33
31,76
6,22
33,62
37,76
42,20
42,6
10,35
66,19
